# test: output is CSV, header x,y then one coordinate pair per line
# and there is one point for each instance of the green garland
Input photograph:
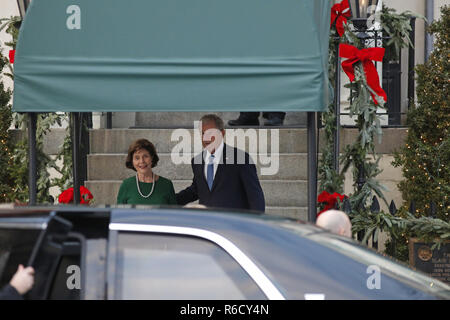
x,y
397,27
5,140
357,155
17,169
65,155
361,154
330,180
425,228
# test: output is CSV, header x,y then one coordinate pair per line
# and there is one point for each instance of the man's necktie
x,y
210,172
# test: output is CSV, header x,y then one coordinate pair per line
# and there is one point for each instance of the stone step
x,y
278,193
289,212
165,140
186,119
290,140
110,166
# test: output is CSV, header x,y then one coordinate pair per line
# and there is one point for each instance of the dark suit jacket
x,y
8,292
236,183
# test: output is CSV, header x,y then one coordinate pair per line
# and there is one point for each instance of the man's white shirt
x,y
217,158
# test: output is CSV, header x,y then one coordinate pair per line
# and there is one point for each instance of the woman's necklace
x,y
153,186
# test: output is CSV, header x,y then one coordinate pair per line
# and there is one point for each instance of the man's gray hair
x,y
213,118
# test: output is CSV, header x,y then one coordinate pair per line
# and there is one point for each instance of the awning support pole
x,y
312,166
32,168
337,110
75,122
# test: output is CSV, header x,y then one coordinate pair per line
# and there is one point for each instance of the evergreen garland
x,y
361,154
396,28
356,155
17,169
5,143
425,156
330,180
65,155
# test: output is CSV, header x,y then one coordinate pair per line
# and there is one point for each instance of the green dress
x,y
163,192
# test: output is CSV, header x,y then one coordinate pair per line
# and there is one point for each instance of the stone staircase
x,y
285,191
186,120
158,120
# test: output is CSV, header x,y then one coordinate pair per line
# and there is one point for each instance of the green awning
x,y
173,55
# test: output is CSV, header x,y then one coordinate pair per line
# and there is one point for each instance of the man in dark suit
x,y
21,282
224,177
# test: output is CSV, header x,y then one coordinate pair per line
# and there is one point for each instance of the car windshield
x,y
368,256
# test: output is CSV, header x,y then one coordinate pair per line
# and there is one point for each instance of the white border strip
x,y
25,225
254,272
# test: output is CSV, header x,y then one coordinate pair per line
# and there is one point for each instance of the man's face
x,y
211,136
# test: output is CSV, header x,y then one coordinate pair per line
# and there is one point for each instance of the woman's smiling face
x,y
142,161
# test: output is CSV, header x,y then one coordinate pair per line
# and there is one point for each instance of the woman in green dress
x,y
145,187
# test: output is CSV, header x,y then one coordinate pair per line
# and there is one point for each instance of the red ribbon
x,y
354,55
67,196
12,54
330,200
340,12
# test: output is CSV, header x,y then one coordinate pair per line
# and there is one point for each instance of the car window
x,y
46,256
369,257
16,246
66,284
155,266
388,265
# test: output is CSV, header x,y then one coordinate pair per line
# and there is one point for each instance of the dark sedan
x,y
173,253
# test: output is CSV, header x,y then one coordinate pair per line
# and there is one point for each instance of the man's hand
x,y
23,279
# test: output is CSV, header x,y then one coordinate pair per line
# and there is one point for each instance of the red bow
x,y
12,54
365,56
67,196
340,12
330,200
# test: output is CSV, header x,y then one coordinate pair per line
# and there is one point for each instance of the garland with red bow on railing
x,y
367,98
340,13
365,56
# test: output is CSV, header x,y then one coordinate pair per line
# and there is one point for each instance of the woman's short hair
x,y
141,144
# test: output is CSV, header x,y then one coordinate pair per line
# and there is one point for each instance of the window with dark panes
x,y
155,266
64,285
16,246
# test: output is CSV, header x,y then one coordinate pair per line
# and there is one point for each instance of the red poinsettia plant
x,y
330,200
67,196
12,54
